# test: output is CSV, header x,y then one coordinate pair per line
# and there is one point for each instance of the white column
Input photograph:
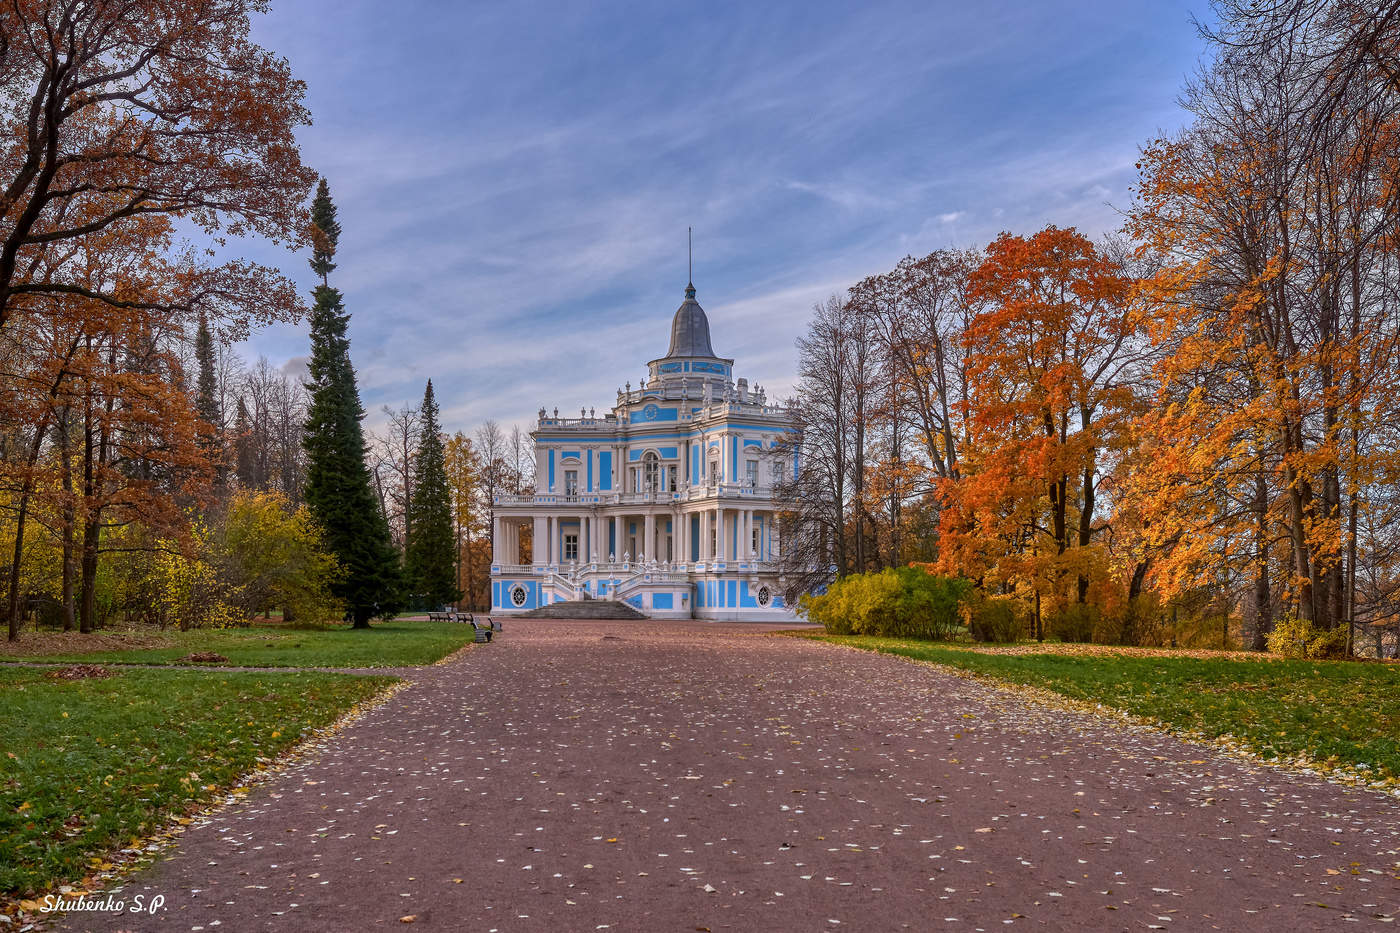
x,y
496,541
721,541
648,546
537,542
746,534
551,526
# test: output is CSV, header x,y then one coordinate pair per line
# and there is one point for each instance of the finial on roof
x,y
690,262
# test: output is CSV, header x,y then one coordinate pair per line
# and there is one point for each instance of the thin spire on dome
x,y
690,262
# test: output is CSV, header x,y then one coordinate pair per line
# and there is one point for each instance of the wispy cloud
x,y
515,181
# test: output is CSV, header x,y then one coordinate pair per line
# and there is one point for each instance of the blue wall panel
x,y
500,594
605,470
652,413
662,601
746,600
551,471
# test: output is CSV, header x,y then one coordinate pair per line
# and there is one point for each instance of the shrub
x,y
274,555
1076,622
189,591
906,602
995,618
1299,638
927,605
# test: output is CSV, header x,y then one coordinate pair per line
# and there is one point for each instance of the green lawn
x,y
87,766
1342,712
386,644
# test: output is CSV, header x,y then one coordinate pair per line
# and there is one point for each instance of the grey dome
x,y
690,330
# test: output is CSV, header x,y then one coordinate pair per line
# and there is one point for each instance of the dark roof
x,y
690,330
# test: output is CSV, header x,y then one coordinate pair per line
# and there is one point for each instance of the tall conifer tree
x,y
430,556
206,385
338,488
206,395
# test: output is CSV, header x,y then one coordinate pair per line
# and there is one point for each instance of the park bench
x,y
440,617
483,629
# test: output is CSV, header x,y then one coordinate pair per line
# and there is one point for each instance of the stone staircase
x,y
584,609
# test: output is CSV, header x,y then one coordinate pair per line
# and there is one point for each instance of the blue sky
x,y
515,179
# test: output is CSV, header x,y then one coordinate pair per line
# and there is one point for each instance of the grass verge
x,y
87,766
1327,712
386,644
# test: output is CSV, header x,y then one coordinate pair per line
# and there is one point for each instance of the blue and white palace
x,y
665,503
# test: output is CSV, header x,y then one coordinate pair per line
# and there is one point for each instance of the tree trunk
x,y
21,515
1263,606
1086,527
69,517
87,605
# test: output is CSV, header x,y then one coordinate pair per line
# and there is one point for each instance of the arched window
x,y
651,468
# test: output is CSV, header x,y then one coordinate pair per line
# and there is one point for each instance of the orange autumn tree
x,y
1049,409
125,123
1271,450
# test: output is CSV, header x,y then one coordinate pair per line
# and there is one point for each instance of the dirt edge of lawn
x,y
1339,774
25,913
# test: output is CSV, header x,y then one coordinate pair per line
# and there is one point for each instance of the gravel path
x,y
684,776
